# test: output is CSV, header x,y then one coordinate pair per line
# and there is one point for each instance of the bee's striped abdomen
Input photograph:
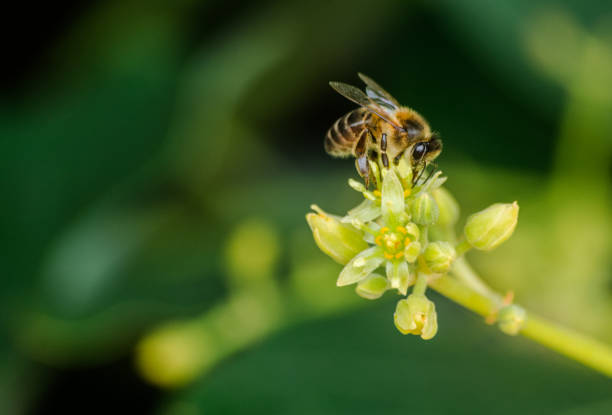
x,y
341,137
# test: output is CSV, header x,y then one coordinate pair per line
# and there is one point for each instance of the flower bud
x,y
439,256
424,210
416,315
511,318
338,240
412,251
447,205
489,228
372,287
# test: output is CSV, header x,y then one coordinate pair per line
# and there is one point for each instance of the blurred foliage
x,y
158,163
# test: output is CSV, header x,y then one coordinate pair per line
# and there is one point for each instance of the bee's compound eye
x,y
419,151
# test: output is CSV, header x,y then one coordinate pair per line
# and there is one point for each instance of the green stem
x,y
570,343
464,273
421,284
462,247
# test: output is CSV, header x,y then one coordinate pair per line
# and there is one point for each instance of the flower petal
x,y
372,287
399,276
392,199
366,211
361,266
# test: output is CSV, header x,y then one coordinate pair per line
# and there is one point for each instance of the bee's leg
x,y
383,150
397,158
431,173
423,167
361,162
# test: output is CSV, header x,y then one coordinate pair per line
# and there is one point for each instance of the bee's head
x,y
426,151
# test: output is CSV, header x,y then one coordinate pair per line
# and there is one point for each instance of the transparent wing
x,y
354,94
377,93
359,97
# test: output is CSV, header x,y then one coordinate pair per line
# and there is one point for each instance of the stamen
x,y
384,230
388,255
378,240
401,229
399,255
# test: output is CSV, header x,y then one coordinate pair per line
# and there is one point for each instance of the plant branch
x,y
570,343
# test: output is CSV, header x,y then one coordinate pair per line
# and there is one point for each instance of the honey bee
x,y
380,127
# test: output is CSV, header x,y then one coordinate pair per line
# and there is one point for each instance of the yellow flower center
x,y
392,242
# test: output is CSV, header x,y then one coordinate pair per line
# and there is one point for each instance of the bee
x,y
380,127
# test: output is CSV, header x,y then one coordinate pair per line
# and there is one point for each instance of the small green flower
x,y
492,226
439,256
416,315
384,242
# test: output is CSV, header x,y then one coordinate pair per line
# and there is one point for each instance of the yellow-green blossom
x,y
384,242
416,315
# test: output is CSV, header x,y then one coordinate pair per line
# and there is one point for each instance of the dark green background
x,y
136,137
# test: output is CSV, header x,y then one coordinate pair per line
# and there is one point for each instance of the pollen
x,y
393,242
407,192
377,193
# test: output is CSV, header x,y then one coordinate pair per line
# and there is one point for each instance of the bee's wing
x,y
359,97
377,93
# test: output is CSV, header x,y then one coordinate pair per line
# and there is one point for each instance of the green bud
x,y
338,240
360,267
424,210
412,251
416,315
439,256
372,287
447,205
511,318
489,228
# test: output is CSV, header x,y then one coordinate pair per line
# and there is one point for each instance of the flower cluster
x,y
385,242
